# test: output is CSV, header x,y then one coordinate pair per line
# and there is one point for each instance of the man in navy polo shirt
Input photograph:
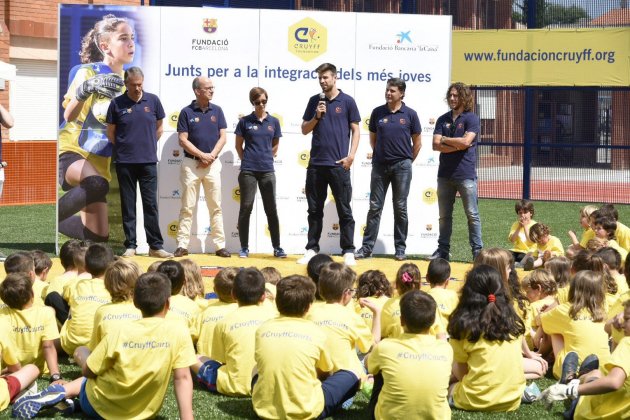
x,y
455,137
395,139
201,130
134,125
334,118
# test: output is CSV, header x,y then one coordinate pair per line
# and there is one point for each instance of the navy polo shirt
x,y
203,127
393,133
258,145
331,135
136,125
461,164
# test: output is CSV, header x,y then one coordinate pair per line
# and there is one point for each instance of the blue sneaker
x,y
207,374
27,407
279,253
243,253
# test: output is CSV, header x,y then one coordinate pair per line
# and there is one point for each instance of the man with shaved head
x,y
201,129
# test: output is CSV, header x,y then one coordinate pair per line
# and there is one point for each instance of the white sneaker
x,y
129,252
307,257
348,259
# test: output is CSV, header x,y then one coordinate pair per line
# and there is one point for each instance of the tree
x,y
549,13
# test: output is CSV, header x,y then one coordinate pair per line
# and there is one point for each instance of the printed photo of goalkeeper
x,y
84,151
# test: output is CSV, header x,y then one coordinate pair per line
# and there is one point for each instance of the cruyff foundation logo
x,y
236,194
307,39
303,158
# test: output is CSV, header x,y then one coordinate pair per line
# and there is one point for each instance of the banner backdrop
x,y
542,57
279,50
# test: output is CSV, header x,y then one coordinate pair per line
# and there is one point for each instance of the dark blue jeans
x,y
399,175
129,176
446,191
318,178
266,182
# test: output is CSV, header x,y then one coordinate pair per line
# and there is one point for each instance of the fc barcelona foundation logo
x,y
210,25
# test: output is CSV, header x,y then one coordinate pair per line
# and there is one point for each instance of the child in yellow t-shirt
x,y
345,329
487,354
85,296
127,374
603,393
605,228
407,278
203,330
438,275
272,277
612,258
22,262
522,245
120,279
181,307
560,269
31,329
193,283
623,232
397,363
540,288
547,246
313,268
42,264
376,288
229,372
588,234
17,378
578,325
289,352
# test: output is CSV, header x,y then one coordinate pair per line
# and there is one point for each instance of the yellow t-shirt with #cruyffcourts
x,y
185,309
580,335
233,345
289,351
365,313
203,329
611,405
346,333
446,301
495,380
133,367
29,328
84,297
403,360
111,317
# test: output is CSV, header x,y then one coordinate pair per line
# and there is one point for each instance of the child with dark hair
x,y
23,262
397,363
228,369
84,297
407,278
313,267
374,287
522,245
622,232
612,259
205,322
42,264
181,307
31,329
345,329
290,352
120,279
578,325
438,275
486,335
605,228
127,374
547,246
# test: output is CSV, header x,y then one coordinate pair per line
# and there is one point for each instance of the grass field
x,y
32,227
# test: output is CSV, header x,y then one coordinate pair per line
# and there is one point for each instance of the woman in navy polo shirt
x,y
257,138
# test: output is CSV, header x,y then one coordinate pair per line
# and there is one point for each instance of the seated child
x,y
397,363
290,351
601,393
615,319
85,296
42,264
229,372
17,378
22,262
612,258
127,374
272,277
605,228
313,268
205,322
547,246
438,274
407,278
486,336
588,234
181,307
31,329
345,329
374,287
522,245
120,280
540,288
560,269
623,232
193,283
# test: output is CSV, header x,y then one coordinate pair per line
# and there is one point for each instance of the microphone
x,y
322,98
3,164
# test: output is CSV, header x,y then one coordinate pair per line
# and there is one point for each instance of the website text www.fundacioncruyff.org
x,y
539,55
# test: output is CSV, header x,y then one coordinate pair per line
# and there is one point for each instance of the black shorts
x,y
65,160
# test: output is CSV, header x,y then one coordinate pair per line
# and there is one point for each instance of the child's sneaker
x,y
279,253
589,364
569,367
64,407
243,253
27,407
528,263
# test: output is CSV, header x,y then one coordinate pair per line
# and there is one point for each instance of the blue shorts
x,y
86,407
207,375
